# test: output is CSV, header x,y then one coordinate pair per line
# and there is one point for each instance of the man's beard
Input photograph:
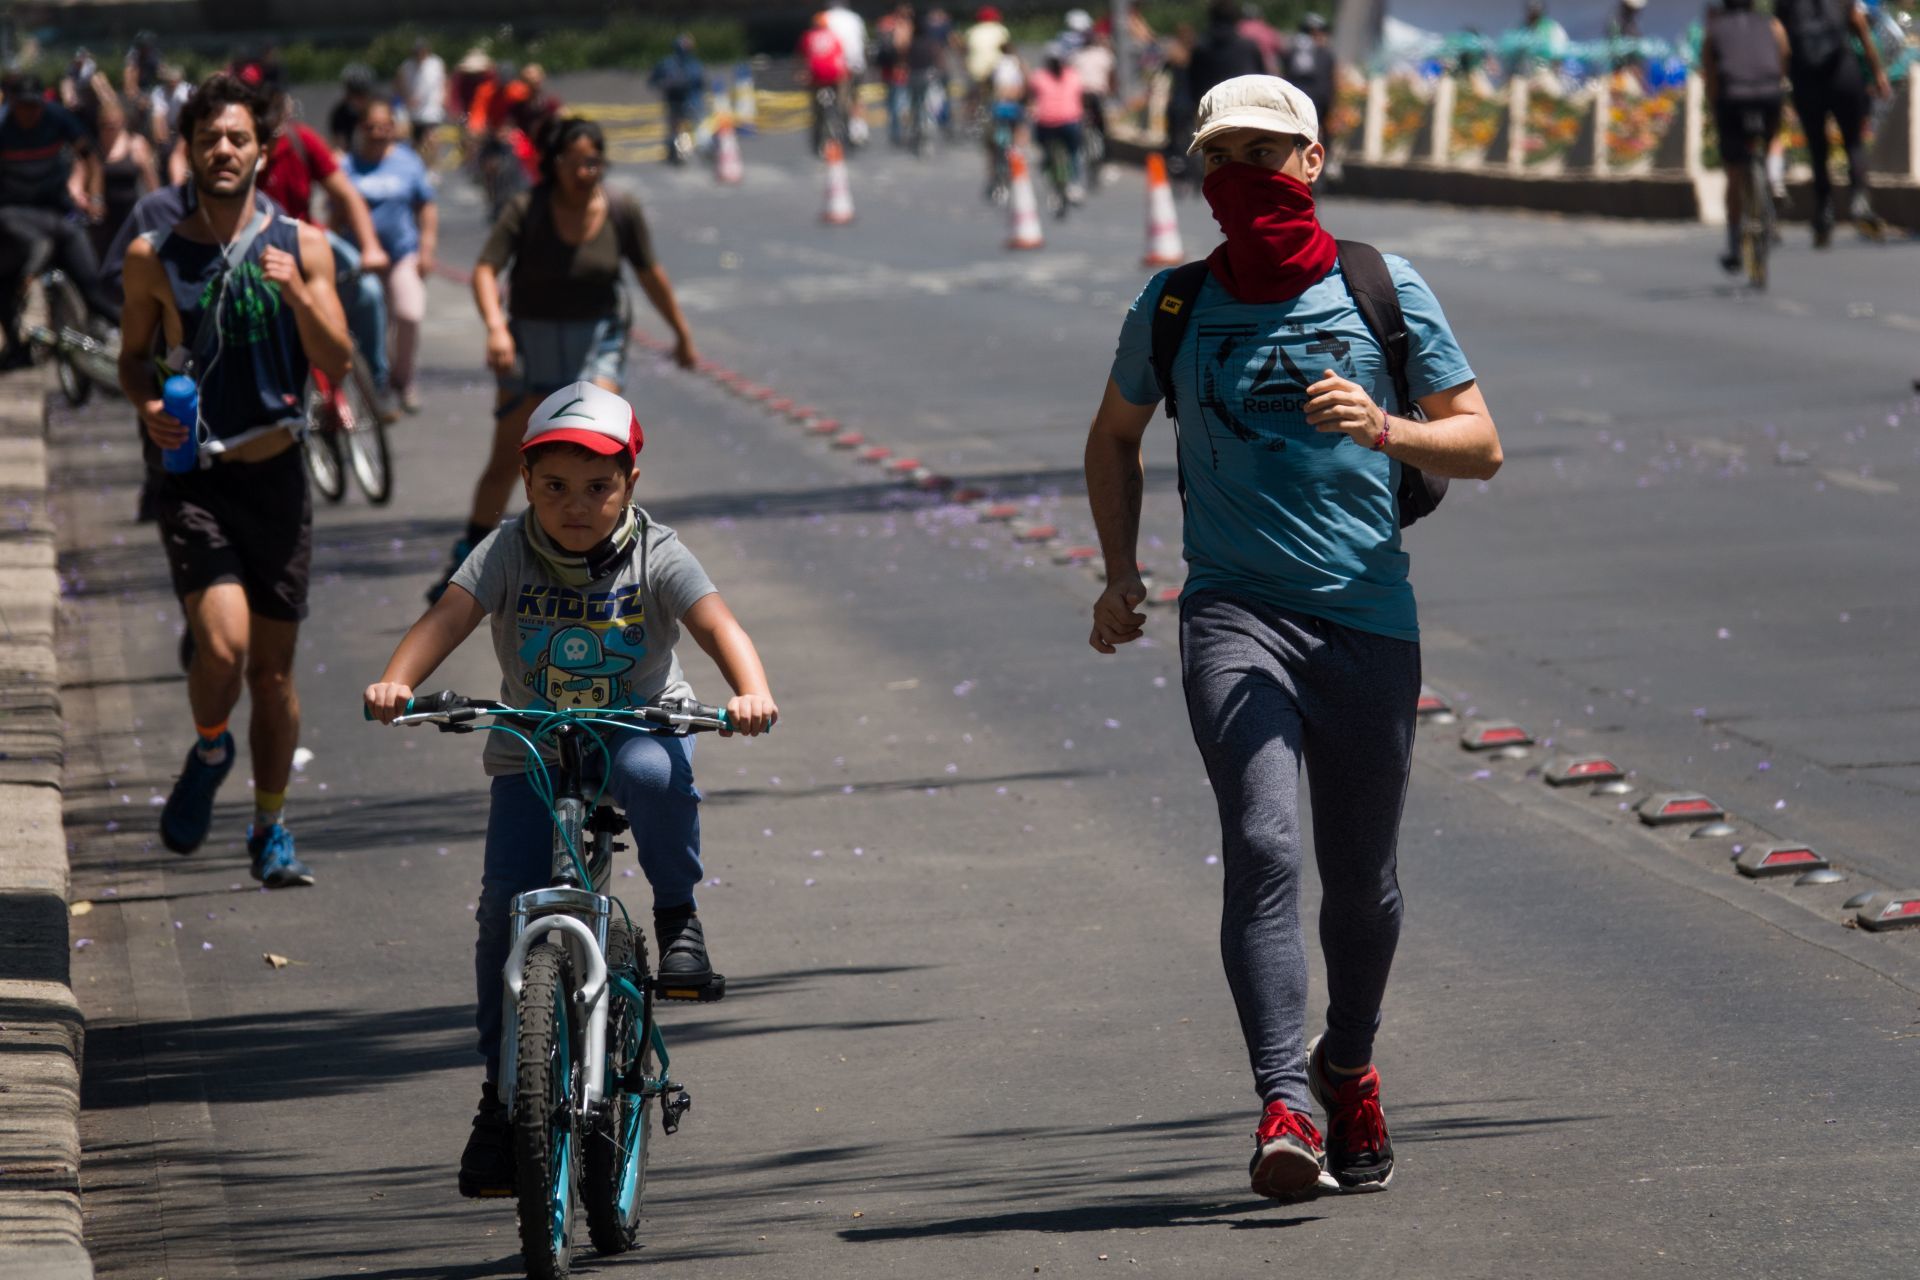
x,y
242,193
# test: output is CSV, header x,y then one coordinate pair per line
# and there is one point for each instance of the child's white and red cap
x,y
587,415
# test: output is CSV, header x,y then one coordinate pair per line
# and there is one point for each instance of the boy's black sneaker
x,y
1359,1154
683,948
486,1166
1288,1161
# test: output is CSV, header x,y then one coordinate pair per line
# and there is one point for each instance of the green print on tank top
x,y
251,304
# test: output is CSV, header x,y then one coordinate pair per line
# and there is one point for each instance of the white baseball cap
x,y
1266,103
587,415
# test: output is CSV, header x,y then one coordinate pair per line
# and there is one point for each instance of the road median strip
x,y
41,1029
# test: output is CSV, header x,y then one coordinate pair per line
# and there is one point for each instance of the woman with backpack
x,y
1298,635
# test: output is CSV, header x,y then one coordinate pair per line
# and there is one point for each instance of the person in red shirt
x,y
298,161
823,60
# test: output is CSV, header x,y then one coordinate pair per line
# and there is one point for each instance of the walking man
x,y
1831,80
1299,642
243,301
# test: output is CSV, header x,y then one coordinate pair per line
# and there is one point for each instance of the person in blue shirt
x,y
1298,635
392,179
679,77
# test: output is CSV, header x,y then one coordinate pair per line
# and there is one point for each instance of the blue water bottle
x,y
180,396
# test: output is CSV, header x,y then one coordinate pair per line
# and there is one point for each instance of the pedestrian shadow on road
x,y
1133,1214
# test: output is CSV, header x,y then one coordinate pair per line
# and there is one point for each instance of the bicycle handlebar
x,y
449,709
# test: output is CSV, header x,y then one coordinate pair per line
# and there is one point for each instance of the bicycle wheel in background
x,y
614,1172
1756,238
65,313
544,1154
322,446
365,433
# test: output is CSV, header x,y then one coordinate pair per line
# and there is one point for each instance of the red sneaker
x,y
1359,1154
1287,1156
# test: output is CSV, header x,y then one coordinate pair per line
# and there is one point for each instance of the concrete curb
x,y
41,1030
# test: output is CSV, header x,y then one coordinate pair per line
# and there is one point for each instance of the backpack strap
x,y
1377,299
1170,316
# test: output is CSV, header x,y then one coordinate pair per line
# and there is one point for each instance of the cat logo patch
x,y
1172,305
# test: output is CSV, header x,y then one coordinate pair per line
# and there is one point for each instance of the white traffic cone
x,y
727,166
1025,208
746,102
839,209
1163,224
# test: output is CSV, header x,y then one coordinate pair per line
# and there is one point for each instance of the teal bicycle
x,y
583,1061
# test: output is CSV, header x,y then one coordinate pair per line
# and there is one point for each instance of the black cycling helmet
x,y
1312,23
357,77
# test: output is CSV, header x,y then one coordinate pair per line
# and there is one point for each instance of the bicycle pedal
x,y
713,990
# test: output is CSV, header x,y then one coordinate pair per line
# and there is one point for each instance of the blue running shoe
x,y
275,864
189,812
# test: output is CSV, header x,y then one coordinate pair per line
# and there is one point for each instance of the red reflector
x,y
1037,533
904,464
967,493
849,440
823,427
779,406
1901,909
1588,768
1789,857
1165,595
1502,737
1682,807
879,453
1430,702
1001,511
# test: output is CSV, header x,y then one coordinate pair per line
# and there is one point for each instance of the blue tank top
x,y
251,366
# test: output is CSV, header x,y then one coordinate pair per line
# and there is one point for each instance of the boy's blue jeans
x,y
365,303
652,784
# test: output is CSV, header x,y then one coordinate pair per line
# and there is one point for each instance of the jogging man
x,y
244,302
1829,80
1743,60
1298,634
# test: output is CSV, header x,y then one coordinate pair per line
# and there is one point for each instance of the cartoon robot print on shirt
x,y
576,671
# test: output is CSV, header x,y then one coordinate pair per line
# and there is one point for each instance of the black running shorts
x,y
244,522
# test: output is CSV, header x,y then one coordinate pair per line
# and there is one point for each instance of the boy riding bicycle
x,y
587,596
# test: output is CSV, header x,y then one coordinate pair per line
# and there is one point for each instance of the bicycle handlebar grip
x,y
366,712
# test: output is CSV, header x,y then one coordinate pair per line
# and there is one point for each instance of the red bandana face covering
x,y
1276,248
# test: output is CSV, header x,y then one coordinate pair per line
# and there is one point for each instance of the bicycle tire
x,y
544,1143
75,387
366,438
324,464
614,1164
1756,239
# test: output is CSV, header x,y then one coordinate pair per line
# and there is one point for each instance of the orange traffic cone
x,y
727,165
839,209
1021,202
1163,224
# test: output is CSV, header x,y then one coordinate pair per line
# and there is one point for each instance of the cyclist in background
x,y
983,42
583,543
1743,60
679,78
1007,116
298,162
421,83
823,62
926,75
392,179
1058,114
1831,81
567,317
40,145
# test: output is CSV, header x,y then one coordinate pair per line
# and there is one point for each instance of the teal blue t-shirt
x,y
1277,511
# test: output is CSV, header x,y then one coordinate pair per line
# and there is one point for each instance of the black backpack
x,y
1816,32
1378,301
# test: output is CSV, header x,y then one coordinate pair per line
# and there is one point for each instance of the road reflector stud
x,y
1485,735
1431,703
1037,533
801,413
1000,512
904,466
1858,900
1569,771
824,427
1713,831
1615,787
1820,875
780,406
1899,910
932,482
1077,555
849,440
1778,860
1686,806
878,453
1165,597
968,493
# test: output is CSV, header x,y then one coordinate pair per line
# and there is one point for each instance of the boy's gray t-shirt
x,y
609,644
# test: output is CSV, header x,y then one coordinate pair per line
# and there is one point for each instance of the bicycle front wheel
x,y
544,1150
614,1177
366,436
1756,240
322,446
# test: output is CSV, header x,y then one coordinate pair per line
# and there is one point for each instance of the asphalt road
x,y
977,1025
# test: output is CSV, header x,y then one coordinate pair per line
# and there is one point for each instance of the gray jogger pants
x,y
1268,689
